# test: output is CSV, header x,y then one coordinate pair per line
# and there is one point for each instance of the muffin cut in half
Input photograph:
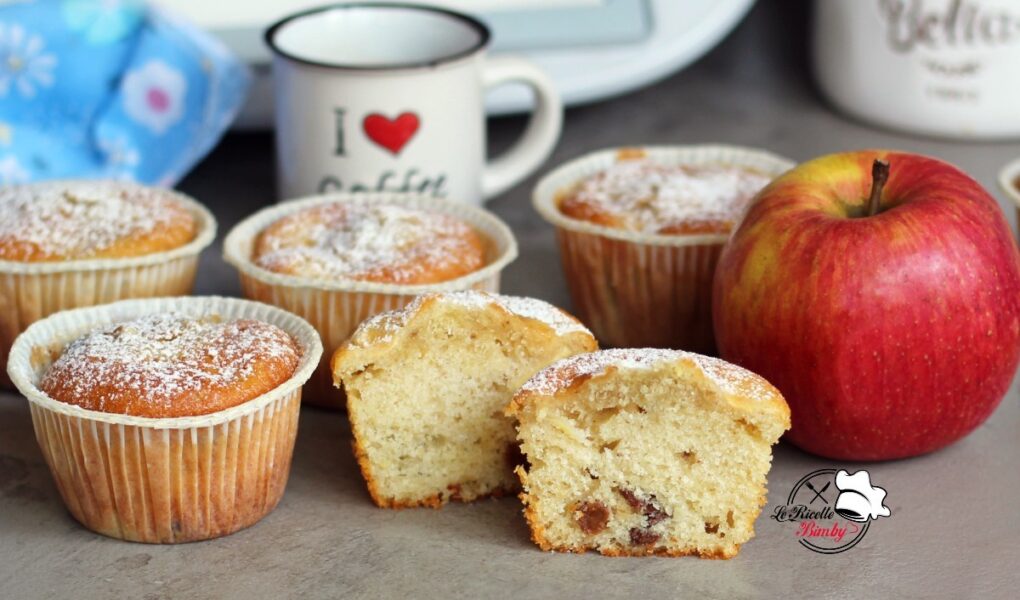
x,y
427,386
642,451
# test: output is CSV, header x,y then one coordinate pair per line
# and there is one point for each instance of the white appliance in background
x,y
948,68
593,49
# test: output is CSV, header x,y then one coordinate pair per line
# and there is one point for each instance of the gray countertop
x,y
954,530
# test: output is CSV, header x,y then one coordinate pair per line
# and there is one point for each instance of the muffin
x,y
1009,181
167,420
643,196
384,243
645,451
171,365
426,387
67,244
337,260
640,231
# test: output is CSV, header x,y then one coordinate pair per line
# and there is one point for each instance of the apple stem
x,y
879,175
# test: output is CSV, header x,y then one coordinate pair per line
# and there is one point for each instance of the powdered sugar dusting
x,y
729,377
385,325
532,308
368,241
162,357
61,219
646,196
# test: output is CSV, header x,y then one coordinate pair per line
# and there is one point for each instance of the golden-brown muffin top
x,y
383,243
638,194
172,366
743,390
381,327
68,220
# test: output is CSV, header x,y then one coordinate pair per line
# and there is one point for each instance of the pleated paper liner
x,y
30,291
1009,181
336,307
635,289
164,480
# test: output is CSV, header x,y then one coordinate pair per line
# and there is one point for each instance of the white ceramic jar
x,y
939,67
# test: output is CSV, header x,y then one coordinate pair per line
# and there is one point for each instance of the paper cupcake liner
x,y
635,289
164,480
30,291
1008,178
336,307
641,295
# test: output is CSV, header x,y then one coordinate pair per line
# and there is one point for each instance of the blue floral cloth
x,y
109,89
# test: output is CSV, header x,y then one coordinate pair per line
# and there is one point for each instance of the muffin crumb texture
x,y
638,451
383,243
646,196
427,387
64,220
172,366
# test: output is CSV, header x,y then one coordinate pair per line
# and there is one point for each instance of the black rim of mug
x,y
480,28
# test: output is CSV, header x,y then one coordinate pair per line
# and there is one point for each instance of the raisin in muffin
x,y
426,387
642,451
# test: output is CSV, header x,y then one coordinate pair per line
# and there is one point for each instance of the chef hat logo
x,y
858,500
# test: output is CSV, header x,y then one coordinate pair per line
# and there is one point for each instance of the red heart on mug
x,y
392,134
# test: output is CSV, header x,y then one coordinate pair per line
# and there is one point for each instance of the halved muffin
x,y
426,387
644,451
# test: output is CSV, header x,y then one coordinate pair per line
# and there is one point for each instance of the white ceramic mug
x,y
390,98
935,67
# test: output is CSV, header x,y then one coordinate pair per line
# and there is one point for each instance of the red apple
x,y
886,312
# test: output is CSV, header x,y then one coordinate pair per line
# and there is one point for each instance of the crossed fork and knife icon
x,y
818,493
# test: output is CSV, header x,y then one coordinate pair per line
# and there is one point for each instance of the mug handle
x,y
541,134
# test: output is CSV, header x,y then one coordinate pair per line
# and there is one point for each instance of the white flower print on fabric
x,y
153,95
24,63
11,171
121,157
